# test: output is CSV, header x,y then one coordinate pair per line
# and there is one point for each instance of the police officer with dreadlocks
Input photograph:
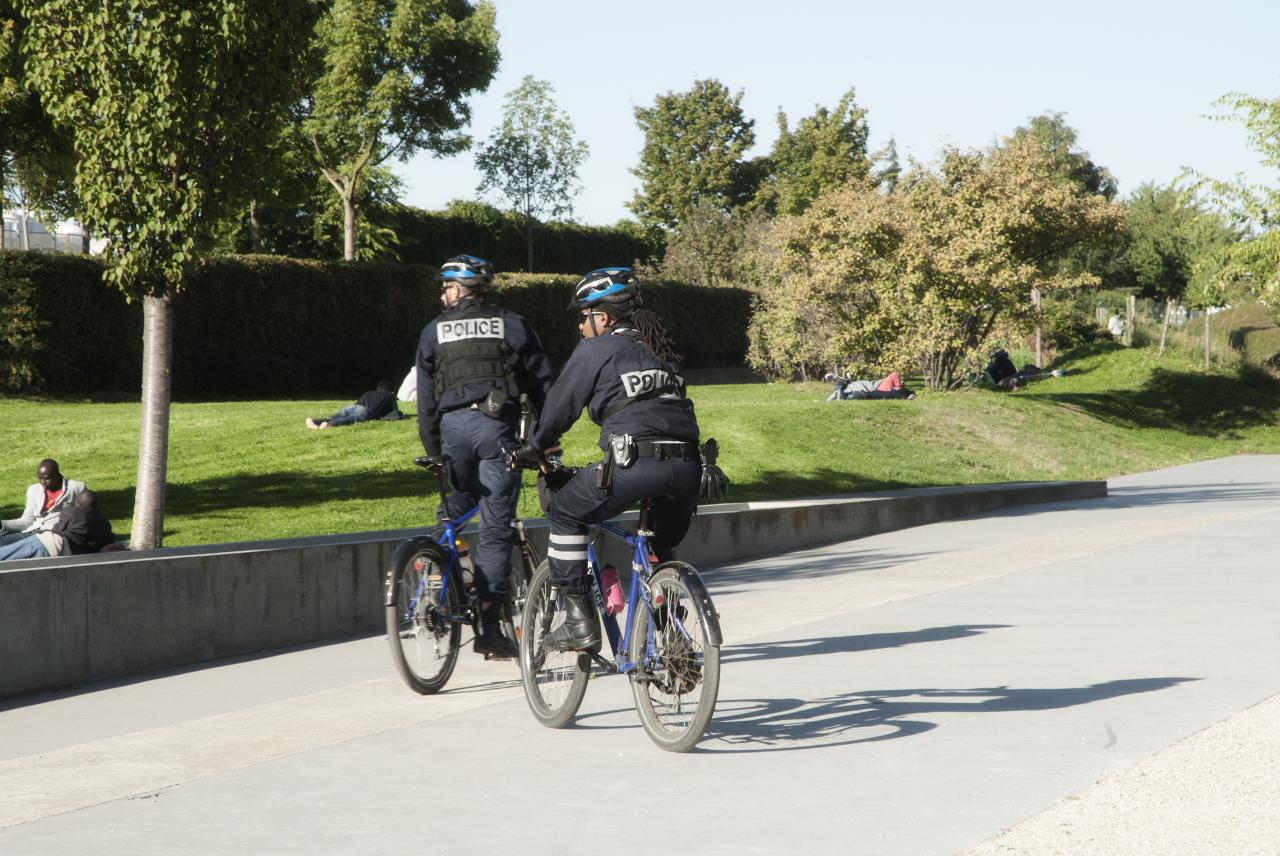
x,y
474,362
626,371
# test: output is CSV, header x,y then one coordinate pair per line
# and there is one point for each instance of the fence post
x,y
1131,314
1206,338
1035,301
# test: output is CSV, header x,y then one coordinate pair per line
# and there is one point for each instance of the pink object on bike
x,y
612,590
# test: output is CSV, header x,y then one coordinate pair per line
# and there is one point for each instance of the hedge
x,y
430,237
250,326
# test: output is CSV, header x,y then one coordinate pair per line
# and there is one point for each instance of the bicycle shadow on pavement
x,y
753,651
868,716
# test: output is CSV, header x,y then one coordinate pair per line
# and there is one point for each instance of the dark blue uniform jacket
x,y
534,370
602,372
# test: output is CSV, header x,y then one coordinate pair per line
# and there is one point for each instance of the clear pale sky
x,y
1136,80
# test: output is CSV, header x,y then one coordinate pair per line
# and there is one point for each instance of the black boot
x,y
581,628
490,640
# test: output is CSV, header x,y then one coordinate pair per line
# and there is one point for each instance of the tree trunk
x,y
349,227
153,442
25,233
255,227
4,197
1206,338
1164,328
528,239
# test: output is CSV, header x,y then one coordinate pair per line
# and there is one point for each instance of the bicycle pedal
x,y
586,658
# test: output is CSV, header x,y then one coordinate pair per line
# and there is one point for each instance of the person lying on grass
x,y
377,403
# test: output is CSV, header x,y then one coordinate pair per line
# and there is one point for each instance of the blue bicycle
x,y
428,602
670,648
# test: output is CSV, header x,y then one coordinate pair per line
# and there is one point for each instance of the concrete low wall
x,y
71,621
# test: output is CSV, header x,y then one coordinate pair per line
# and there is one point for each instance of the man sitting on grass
x,y
46,500
81,529
377,403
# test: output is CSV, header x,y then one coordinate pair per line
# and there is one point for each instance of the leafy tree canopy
x,y
1058,140
920,277
1256,259
694,145
532,158
1169,234
888,168
168,107
36,160
824,150
391,77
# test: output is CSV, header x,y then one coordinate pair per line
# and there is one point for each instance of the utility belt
x,y
493,405
623,450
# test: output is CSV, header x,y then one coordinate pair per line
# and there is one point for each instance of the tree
x,y
1070,166
1168,236
532,158
826,149
169,105
36,161
713,247
921,277
694,144
889,168
1069,163
390,79
1256,209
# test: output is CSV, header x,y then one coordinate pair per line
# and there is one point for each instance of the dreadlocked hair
x,y
655,338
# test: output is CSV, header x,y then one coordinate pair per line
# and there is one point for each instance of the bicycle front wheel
x,y
554,681
423,616
677,678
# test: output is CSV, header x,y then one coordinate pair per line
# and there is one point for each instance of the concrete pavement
x,y
1087,677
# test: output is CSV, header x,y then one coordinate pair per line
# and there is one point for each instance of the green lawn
x,y
249,470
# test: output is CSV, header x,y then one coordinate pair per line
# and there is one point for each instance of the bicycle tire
x,y
554,682
675,693
424,642
518,591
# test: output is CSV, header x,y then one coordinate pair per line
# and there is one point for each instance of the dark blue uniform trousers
x,y
472,444
673,483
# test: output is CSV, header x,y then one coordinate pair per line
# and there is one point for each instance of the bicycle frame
x,y
620,639
637,595
448,540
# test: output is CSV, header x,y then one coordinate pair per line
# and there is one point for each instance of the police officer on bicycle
x,y
626,371
474,362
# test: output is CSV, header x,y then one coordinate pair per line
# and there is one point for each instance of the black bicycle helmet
x,y
614,290
469,272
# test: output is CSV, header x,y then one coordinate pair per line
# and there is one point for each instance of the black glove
x,y
429,462
551,481
524,456
714,481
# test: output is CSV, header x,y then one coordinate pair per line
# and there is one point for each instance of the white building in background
x,y
67,236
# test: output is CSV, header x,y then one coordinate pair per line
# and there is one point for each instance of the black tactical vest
x,y
473,348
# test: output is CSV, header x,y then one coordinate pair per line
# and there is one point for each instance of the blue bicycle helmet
x,y
614,290
469,272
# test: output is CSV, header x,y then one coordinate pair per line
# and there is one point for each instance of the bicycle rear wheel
x,y
424,608
554,682
518,591
677,680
